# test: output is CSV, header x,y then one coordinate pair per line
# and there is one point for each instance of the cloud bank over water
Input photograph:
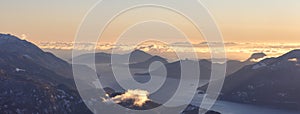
x,y
234,50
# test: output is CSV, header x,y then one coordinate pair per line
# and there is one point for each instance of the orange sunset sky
x,y
239,20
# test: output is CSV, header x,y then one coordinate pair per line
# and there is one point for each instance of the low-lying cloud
x,y
139,97
235,51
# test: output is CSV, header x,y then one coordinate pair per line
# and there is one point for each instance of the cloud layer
x,y
237,51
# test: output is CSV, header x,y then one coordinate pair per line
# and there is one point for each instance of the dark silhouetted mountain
x,y
17,52
25,94
34,81
100,58
148,62
174,69
257,56
212,112
135,56
138,56
191,109
291,55
234,65
270,82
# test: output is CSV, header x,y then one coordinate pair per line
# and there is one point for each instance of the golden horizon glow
x,y
268,21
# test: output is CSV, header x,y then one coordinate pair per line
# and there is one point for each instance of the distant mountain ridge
x,y
135,56
174,69
148,62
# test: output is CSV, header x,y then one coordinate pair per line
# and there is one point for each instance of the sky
x,y
239,20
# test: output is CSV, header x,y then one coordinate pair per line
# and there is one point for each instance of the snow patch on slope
x,y
259,65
